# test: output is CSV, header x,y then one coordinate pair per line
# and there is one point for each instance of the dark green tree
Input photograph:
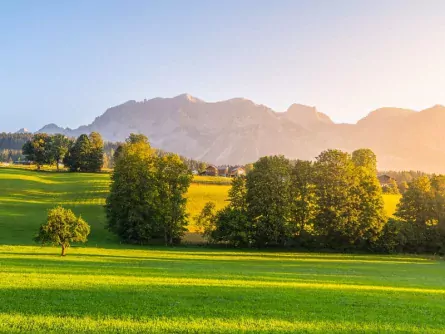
x,y
231,224
238,194
60,146
147,196
78,156
173,181
371,211
302,195
39,150
337,214
96,154
117,154
268,200
415,206
232,227
131,205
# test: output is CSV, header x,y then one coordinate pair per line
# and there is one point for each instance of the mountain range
x,y
239,131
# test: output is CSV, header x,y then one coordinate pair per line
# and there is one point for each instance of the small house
x,y
211,170
237,171
223,171
385,180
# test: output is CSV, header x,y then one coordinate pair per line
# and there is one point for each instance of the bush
x,y
399,236
232,227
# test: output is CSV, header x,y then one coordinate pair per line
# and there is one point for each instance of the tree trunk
x,y
57,165
63,250
165,236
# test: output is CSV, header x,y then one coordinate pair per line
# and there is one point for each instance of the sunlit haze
x,y
66,62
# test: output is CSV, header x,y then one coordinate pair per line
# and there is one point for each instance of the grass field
x,y
119,289
201,290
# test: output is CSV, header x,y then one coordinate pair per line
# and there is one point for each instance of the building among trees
x,y
385,180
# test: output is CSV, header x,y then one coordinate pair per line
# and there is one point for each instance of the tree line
x,y
44,149
333,203
418,225
85,154
11,146
9,156
13,141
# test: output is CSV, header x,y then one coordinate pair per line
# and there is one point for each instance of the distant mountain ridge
x,y
239,131
23,130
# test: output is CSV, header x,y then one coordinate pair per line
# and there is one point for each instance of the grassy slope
x,y
189,290
26,195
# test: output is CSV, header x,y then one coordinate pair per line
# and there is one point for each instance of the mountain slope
x,y
238,131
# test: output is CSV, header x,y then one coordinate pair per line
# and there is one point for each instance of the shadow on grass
x,y
261,273
210,258
231,303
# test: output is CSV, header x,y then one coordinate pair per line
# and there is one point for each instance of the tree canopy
x,y
146,199
335,202
86,154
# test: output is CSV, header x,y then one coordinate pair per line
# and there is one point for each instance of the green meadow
x,y
106,287
200,290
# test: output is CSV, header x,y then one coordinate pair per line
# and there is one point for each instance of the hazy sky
x,y
67,61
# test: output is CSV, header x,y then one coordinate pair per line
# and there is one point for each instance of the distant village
x,y
224,171
385,181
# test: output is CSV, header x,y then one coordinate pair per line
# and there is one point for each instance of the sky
x,y
66,62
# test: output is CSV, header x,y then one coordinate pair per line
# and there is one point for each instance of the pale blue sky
x,y
67,61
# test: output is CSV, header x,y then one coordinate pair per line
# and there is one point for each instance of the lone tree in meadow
x,y
62,227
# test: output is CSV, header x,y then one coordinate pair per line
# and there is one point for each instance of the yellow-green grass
x,y
391,202
199,194
200,290
212,179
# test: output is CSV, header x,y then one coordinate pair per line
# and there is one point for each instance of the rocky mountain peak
x,y
23,130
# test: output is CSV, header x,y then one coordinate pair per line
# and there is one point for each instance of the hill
x,y
239,131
